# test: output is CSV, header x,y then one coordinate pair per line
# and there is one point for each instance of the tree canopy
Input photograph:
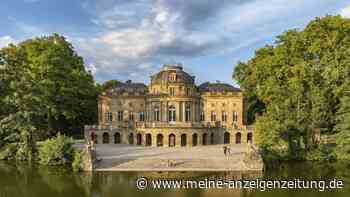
x,y
44,89
297,82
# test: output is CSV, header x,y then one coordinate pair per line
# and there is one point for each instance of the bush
x,y
56,151
78,160
8,152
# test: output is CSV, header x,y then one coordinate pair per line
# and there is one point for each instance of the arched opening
x,y
238,138
212,138
172,114
171,140
226,138
250,138
131,138
117,138
159,140
194,139
183,140
139,139
148,139
204,139
94,137
105,138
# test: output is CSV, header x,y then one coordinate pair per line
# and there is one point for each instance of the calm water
x,y
36,181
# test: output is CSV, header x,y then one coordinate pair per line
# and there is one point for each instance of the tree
x,y
343,128
298,81
45,85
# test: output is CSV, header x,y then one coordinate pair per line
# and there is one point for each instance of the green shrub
x,y
78,160
56,151
8,152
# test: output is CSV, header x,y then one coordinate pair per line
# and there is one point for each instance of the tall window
x,y
234,116
224,116
172,77
188,91
188,113
142,116
109,116
131,116
172,91
172,114
156,113
120,115
202,116
213,116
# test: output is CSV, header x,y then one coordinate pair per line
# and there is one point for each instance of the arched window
x,y
183,140
188,113
117,138
172,114
131,138
156,113
159,140
194,139
171,140
105,138
226,138
238,138
139,139
148,139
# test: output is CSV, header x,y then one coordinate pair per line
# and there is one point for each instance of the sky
x,y
132,39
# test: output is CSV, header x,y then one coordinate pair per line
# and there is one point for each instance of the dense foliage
x,y
56,150
294,88
44,89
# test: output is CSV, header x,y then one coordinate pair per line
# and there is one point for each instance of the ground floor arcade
x,y
170,138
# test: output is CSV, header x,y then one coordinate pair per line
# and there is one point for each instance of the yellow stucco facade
x,y
171,111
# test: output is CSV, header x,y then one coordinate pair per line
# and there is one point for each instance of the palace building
x,y
171,111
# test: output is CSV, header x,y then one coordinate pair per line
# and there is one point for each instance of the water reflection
x,y
32,180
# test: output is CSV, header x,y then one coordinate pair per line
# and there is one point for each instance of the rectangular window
x,y
109,116
172,91
202,116
188,91
234,116
120,115
156,114
131,116
213,116
188,113
224,116
142,116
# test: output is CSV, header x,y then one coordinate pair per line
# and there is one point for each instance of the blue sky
x,y
132,39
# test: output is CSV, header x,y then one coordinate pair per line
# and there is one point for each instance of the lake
x,y
24,180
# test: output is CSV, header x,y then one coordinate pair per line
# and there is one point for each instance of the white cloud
x,y
137,31
345,12
5,40
92,68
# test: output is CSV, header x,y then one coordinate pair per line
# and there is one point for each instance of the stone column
x,y
177,116
193,109
160,111
167,111
184,111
